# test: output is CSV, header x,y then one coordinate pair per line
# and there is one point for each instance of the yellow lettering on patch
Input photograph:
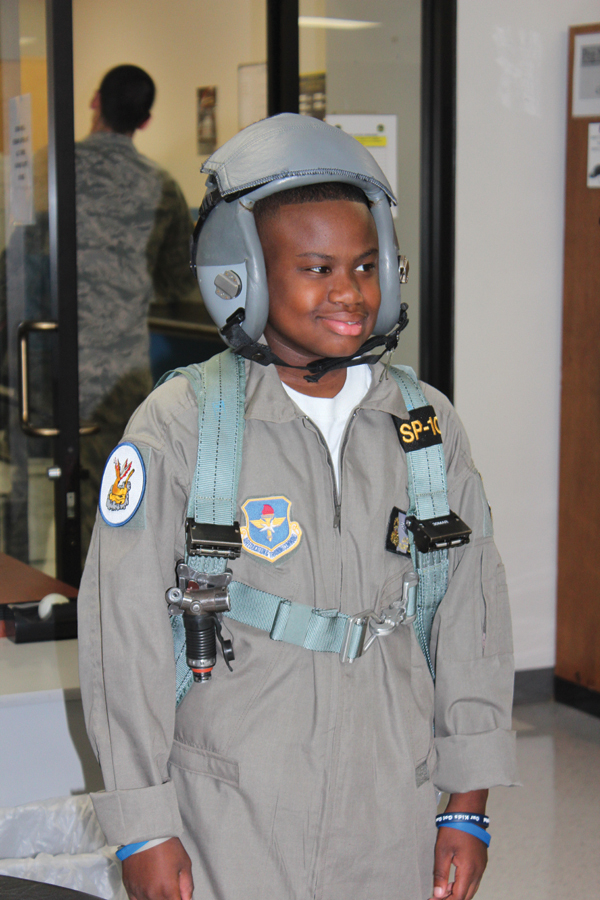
x,y
417,428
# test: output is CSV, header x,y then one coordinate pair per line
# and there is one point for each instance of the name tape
x,y
421,431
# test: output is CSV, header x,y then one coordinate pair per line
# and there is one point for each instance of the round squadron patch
x,y
123,485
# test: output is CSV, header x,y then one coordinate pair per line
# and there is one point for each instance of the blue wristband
x,y
129,849
475,830
473,818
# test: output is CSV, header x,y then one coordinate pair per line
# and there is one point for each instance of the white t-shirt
x,y
331,414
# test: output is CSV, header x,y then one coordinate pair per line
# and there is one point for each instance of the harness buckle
x,y
221,541
361,620
439,533
400,612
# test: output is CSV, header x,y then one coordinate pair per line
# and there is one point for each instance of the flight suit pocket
x,y
420,711
497,632
204,762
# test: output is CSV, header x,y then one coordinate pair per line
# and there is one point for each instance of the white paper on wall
x,y
593,157
586,75
21,161
379,135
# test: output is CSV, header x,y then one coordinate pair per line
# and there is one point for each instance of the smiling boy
x,y
297,775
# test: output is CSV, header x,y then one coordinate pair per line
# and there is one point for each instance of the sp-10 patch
x,y
421,431
396,539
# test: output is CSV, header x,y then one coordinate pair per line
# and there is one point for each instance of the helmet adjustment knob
x,y
228,285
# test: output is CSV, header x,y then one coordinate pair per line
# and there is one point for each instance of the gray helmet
x,y
277,154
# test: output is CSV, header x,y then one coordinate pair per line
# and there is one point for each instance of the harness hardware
x,y
440,533
219,386
381,624
199,598
221,541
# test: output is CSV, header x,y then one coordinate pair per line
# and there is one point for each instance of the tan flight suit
x,y
296,776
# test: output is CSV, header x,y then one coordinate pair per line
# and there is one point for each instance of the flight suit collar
x,y
267,400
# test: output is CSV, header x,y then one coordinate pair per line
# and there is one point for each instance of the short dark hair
x,y
126,97
308,193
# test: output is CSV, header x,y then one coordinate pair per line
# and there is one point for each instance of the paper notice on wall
x,y
252,93
21,161
378,135
586,75
593,157
206,120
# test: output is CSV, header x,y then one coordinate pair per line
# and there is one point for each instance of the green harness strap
x,y
219,385
428,495
220,388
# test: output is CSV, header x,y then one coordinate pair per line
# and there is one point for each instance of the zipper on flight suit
x,y
337,500
337,504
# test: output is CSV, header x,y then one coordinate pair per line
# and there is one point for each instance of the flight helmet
x,y
276,154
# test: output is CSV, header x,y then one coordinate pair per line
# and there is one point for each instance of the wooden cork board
x,y
578,613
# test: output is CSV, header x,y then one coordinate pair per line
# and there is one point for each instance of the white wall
x,y
183,44
512,84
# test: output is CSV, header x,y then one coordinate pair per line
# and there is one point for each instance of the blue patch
x,y
269,533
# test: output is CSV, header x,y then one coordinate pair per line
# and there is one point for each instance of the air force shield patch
x,y
269,532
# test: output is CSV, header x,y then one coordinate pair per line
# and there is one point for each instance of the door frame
x,y
63,283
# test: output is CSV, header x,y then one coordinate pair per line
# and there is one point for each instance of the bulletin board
x,y
578,614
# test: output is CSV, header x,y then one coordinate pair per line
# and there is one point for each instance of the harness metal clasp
x,y
402,611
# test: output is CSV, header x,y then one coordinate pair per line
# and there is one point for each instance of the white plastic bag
x,y
60,842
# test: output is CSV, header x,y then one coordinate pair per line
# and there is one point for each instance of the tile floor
x,y
546,840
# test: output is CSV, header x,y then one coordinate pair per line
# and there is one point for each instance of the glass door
x,y
39,466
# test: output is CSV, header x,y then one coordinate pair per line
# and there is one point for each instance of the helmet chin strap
x,y
241,343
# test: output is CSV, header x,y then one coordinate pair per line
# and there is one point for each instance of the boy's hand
x,y
468,853
161,873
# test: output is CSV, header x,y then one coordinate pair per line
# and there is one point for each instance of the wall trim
x,y
534,686
576,695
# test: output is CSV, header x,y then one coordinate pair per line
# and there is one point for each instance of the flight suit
x,y
296,776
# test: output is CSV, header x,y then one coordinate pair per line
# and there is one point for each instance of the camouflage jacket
x,y
133,230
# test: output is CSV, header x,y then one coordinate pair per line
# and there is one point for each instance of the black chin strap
x,y
239,341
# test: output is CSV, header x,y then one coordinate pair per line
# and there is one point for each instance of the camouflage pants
x,y
112,416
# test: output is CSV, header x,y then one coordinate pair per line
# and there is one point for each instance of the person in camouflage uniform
x,y
133,230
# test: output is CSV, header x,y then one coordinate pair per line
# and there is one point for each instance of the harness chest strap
x,y
219,385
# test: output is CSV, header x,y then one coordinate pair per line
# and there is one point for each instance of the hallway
x,y
545,842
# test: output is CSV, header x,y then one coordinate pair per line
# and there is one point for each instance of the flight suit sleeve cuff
x,y
470,762
142,814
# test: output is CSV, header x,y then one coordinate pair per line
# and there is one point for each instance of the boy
x,y
296,775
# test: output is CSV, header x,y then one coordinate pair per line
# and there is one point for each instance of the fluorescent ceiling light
x,y
342,24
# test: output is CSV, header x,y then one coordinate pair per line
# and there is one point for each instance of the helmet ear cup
x,y
257,295
230,267
389,279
